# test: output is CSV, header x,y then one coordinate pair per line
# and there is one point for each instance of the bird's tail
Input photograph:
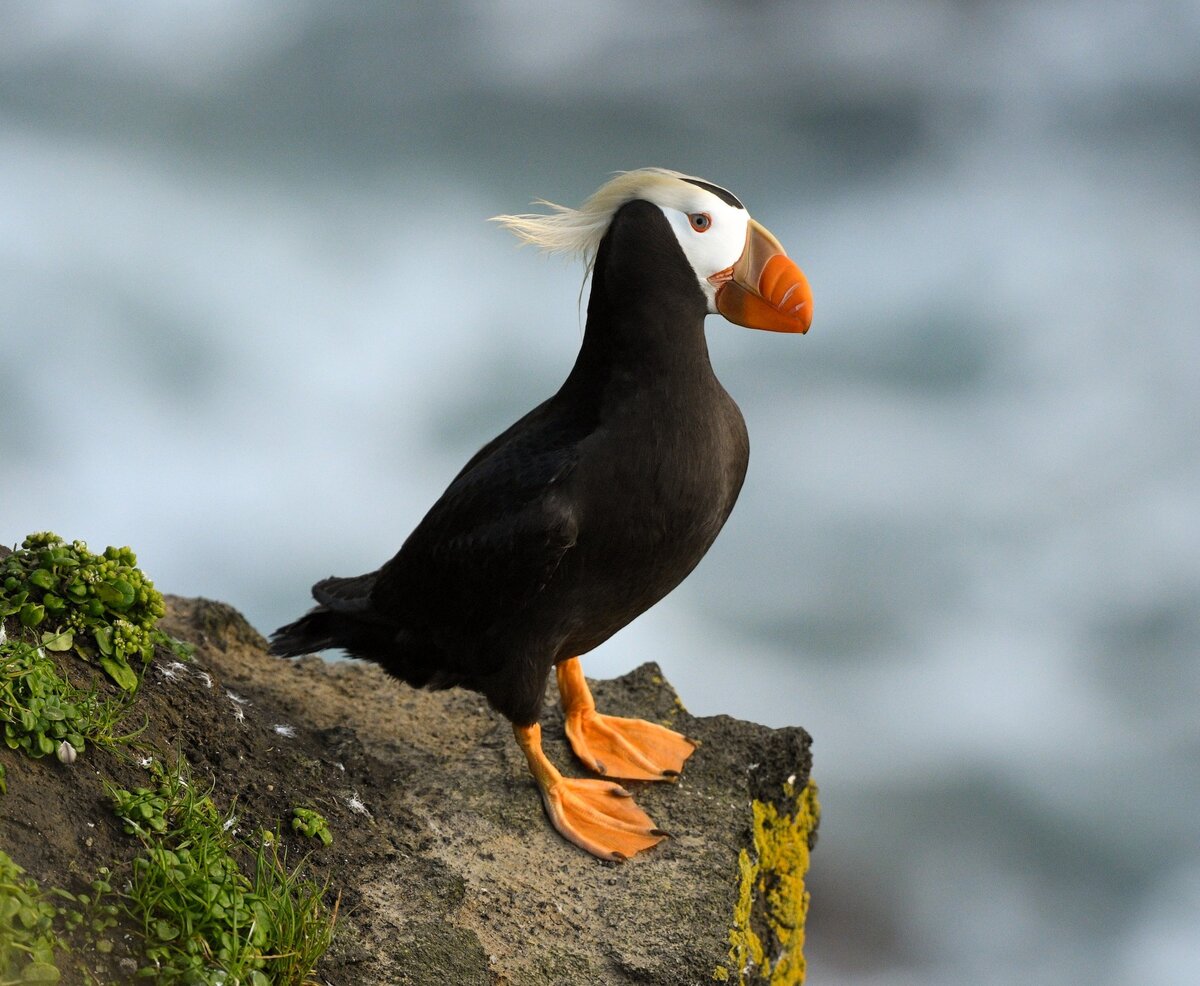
x,y
342,620
314,631
323,628
345,620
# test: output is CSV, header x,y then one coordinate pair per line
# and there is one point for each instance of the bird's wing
x,y
488,546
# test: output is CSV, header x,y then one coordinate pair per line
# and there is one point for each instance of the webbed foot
x,y
598,816
632,749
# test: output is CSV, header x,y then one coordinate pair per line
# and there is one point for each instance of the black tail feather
x,y
342,620
312,632
322,628
365,635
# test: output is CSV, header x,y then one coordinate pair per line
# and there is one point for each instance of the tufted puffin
x,y
593,506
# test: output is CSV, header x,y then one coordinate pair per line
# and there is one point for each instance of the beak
x,y
764,289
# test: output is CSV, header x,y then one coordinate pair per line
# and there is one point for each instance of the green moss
x,y
772,902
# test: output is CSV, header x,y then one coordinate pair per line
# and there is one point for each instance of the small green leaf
x,y
28,915
43,579
118,593
120,672
39,972
62,640
103,637
32,614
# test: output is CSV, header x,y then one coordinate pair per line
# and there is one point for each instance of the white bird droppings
x,y
356,805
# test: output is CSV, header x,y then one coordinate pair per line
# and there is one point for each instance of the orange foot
x,y
601,817
633,749
598,816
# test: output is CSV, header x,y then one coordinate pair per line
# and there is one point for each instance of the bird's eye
x,y
701,221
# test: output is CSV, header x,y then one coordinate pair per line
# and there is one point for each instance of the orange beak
x,y
764,289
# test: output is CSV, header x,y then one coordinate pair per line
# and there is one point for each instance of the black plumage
x,y
574,520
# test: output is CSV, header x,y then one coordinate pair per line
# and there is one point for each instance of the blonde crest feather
x,y
578,232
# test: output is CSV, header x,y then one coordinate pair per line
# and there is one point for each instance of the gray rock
x,y
478,888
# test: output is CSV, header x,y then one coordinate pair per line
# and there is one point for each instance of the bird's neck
x,y
642,329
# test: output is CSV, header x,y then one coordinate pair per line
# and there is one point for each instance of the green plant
x,y
142,810
27,937
299,920
201,917
40,710
308,822
94,910
101,607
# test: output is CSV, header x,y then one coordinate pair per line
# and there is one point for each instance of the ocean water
x,y
253,320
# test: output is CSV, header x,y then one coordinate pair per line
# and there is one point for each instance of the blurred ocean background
x,y
252,320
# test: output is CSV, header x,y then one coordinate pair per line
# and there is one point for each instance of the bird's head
x,y
742,270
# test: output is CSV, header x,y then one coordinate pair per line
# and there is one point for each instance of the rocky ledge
x,y
446,869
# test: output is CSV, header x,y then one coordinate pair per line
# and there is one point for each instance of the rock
x,y
447,869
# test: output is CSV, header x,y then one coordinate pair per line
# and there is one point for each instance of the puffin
x,y
592,507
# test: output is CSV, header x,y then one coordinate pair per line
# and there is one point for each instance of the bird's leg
x,y
598,816
633,749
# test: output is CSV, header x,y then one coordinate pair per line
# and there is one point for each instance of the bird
x,y
588,510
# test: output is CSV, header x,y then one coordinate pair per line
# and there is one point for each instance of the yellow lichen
x,y
676,707
775,878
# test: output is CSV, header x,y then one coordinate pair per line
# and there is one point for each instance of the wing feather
x,y
488,546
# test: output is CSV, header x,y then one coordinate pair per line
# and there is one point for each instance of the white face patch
x,y
713,244
711,232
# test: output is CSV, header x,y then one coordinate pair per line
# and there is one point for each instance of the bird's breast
x,y
653,491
